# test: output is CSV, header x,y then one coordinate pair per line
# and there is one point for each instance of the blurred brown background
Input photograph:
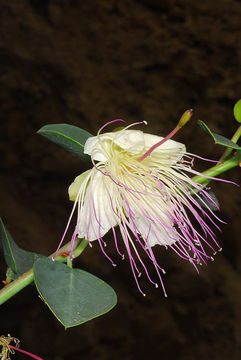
x,y
86,63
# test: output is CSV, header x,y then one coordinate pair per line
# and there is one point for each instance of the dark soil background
x,y
86,63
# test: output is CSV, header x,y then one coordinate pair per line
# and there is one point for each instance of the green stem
x,y
216,170
236,135
80,248
235,138
69,263
15,286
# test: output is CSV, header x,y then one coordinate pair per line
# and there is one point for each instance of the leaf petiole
x,y
17,285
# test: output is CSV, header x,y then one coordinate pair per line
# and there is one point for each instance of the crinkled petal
x,y
133,141
174,147
99,147
96,216
156,234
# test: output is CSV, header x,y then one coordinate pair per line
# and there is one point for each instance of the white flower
x,y
144,189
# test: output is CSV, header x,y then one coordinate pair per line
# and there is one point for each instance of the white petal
x,y
170,145
131,140
150,140
96,216
134,141
156,234
94,148
99,147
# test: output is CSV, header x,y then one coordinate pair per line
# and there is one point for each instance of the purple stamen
x,y
151,201
108,123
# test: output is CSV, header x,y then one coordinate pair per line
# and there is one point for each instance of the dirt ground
x,y
86,63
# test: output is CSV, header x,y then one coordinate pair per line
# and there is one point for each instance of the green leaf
x,y
210,202
73,295
238,156
70,137
17,259
219,139
237,111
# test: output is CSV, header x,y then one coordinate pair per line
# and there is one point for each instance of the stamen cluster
x,y
150,197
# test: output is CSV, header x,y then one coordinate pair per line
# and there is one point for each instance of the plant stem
x,y
216,170
15,286
80,248
69,263
236,135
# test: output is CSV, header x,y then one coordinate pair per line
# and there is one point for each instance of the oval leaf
x,y
219,139
70,137
17,259
209,201
73,295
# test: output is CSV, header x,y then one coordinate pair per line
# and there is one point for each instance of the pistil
x,y
184,119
